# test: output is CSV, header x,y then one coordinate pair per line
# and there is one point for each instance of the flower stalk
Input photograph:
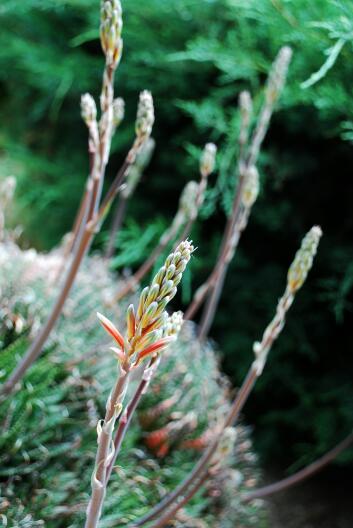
x,y
190,202
246,193
93,210
171,328
207,166
299,269
133,177
7,191
302,474
149,331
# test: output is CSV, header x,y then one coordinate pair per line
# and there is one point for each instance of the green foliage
x,y
134,243
196,57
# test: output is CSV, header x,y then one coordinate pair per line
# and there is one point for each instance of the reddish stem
x,y
202,465
116,225
170,514
301,475
82,247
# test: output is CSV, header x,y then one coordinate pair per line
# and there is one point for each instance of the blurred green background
x,y
196,56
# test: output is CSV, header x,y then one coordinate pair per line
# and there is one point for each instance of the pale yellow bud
x,y
110,31
208,159
118,111
251,187
303,260
7,190
88,109
145,115
245,106
173,324
188,200
278,74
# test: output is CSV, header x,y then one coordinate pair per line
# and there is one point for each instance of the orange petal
x,y
110,328
131,322
156,438
163,450
155,347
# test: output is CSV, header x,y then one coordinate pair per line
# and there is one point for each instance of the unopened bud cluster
x,y
303,260
110,31
188,200
173,324
154,298
145,115
278,74
150,330
297,274
251,187
245,108
208,159
88,109
118,111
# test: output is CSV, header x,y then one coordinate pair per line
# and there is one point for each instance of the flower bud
x,y
7,190
303,260
88,109
188,200
251,187
110,31
278,74
173,324
208,159
245,107
145,115
118,111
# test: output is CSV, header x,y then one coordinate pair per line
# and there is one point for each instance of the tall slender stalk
x,y
118,219
149,332
111,23
190,202
130,409
113,410
207,166
89,116
133,178
245,106
172,328
301,475
296,276
230,244
202,465
248,155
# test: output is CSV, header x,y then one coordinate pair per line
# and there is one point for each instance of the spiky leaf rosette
x,y
52,423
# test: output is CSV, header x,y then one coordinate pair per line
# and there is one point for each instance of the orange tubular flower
x,y
112,330
158,346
